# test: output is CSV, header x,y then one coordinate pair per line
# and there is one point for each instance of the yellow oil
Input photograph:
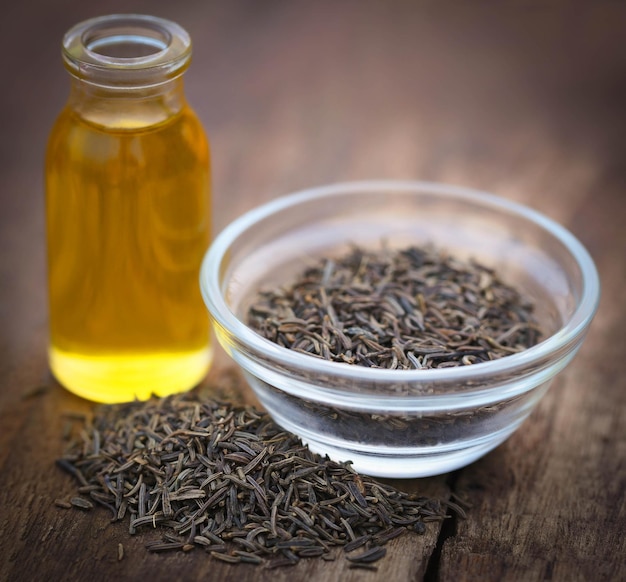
x,y
128,221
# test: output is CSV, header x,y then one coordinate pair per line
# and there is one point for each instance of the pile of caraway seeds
x,y
227,479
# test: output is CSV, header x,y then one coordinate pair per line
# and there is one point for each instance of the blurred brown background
x,y
500,96
521,98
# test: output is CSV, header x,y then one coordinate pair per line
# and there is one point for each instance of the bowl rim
x,y
567,335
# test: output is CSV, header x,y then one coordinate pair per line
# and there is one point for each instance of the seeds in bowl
x,y
411,308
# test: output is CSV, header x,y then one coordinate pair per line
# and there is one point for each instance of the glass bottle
x,y
128,215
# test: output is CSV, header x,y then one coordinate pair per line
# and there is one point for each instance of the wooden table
x,y
524,99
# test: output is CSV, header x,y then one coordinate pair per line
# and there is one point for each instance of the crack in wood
x,y
448,529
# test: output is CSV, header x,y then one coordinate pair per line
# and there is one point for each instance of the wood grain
x,y
523,99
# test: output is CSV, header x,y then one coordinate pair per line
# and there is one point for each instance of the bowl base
x,y
399,463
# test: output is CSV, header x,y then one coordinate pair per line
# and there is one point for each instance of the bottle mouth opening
x,y
126,50
125,46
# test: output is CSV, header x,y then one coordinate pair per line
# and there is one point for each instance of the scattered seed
x,y
226,557
81,503
371,555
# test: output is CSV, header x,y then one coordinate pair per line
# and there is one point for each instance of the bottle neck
x,y
126,107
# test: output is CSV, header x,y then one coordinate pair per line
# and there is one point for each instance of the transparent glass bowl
x,y
400,423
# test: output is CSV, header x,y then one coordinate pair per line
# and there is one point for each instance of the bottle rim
x,y
126,50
